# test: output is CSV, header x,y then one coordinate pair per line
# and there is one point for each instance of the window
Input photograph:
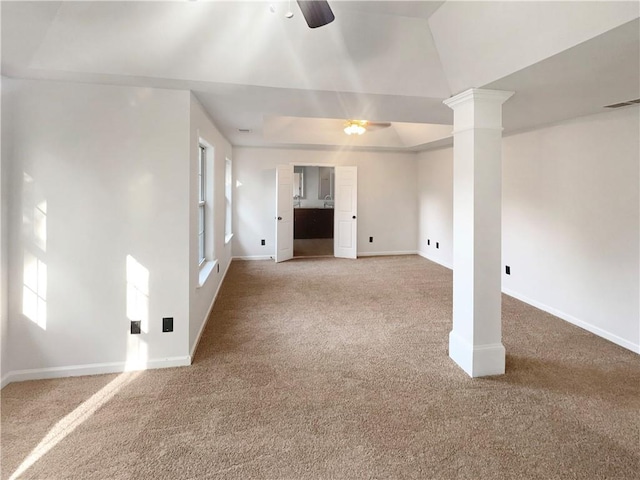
x,y
202,202
228,188
205,224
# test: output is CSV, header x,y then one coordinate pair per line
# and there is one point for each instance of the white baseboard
x,y
575,321
115,367
206,318
477,360
254,257
360,254
91,369
558,313
435,260
383,254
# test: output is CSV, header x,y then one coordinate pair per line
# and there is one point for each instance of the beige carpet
x,y
312,247
329,368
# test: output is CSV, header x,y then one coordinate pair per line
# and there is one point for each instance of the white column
x,y
475,343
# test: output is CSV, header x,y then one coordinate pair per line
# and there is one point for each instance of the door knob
x,y
279,218
354,217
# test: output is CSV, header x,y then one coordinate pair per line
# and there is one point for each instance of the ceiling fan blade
x,y
316,12
377,125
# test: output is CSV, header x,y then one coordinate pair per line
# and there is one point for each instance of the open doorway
x,y
343,207
313,211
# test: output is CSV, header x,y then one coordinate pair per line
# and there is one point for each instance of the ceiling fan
x,y
316,12
358,127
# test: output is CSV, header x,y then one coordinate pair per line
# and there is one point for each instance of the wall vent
x,y
623,104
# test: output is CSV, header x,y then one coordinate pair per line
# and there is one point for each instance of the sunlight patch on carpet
x,y
73,420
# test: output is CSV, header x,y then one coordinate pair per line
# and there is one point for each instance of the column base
x,y
477,360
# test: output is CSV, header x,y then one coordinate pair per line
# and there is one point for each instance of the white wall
x,y
570,228
387,205
201,297
109,162
4,213
435,197
571,221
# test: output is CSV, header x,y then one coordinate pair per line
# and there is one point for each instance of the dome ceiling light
x,y
355,127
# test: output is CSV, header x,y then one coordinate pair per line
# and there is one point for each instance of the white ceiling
x,y
384,61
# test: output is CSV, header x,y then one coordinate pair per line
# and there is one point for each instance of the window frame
x,y
202,203
228,195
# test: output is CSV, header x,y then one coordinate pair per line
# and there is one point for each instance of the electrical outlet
x,y
263,242
370,239
135,327
507,270
167,324
428,242
437,244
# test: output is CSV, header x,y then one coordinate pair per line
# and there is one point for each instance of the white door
x,y
284,212
345,236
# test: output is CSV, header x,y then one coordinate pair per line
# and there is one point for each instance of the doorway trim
x,y
330,165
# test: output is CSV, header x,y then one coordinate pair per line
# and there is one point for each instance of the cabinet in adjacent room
x,y
312,223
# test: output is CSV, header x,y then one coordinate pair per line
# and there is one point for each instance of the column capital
x,y
473,94
477,108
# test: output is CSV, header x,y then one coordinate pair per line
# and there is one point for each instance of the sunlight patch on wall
x,y
137,309
40,225
34,290
137,354
137,293
34,274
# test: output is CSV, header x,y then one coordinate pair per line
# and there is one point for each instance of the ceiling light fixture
x,y
355,127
